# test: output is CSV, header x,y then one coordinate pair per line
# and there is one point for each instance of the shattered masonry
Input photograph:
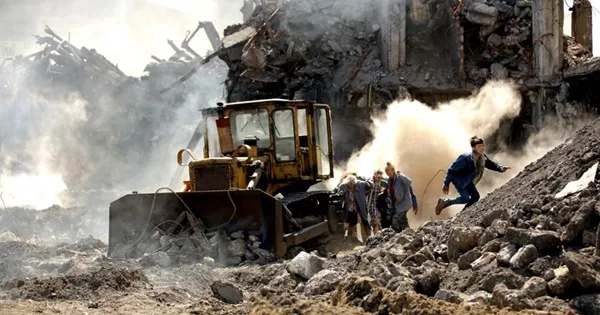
x,y
362,56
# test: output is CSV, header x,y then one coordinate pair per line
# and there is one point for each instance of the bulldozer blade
x,y
133,217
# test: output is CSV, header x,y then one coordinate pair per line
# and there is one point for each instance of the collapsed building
x,y
360,56
127,117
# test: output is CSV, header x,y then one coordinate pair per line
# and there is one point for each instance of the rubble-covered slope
x,y
534,189
521,247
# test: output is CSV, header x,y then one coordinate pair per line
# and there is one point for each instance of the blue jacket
x,y
462,171
405,198
361,190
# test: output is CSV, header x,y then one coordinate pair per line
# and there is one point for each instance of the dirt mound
x,y
79,287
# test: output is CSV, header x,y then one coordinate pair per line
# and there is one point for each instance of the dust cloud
x,y
422,142
63,135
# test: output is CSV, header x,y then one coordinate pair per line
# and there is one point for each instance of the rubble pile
x,y
218,249
334,52
52,226
129,118
530,245
575,52
498,39
304,50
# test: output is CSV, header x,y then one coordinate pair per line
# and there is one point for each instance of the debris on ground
x,y
529,246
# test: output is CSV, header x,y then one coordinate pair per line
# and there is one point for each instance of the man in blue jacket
x,y
403,198
465,173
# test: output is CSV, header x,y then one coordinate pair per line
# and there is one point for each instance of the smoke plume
x,y
64,133
422,142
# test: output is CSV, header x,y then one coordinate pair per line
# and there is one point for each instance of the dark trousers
x,y
386,209
468,196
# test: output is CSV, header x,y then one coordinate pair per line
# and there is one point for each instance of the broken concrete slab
x,y
583,269
482,14
305,265
227,292
575,186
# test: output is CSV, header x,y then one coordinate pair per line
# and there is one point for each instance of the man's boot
x,y
441,205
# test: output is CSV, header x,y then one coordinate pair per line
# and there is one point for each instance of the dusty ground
x,y
428,271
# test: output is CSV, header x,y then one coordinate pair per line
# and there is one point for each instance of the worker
x,y
355,192
403,198
377,187
465,173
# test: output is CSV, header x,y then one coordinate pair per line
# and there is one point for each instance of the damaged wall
x,y
547,38
331,51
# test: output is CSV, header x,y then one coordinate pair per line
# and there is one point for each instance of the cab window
x,y
251,123
285,140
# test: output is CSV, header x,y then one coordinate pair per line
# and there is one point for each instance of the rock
x,y
305,265
165,241
8,236
578,222
237,247
494,40
505,254
300,288
588,238
450,296
381,273
561,283
487,237
428,283
227,292
583,269
264,256
208,261
546,242
397,254
499,71
462,240
426,251
515,299
524,256
482,14
548,275
534,287
504,276
485,259
503,7
159,258
465,260
322,282
237,235
479,297
550,304
543,264
587,304
498,214
402,284
492,246
441,251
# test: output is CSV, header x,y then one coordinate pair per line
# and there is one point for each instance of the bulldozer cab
x,y
292,139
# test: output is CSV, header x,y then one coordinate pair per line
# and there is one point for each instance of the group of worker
x,y
376,203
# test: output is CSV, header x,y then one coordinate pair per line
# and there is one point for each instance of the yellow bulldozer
x,y
260,160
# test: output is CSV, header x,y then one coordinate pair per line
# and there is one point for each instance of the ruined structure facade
x,y
360,56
